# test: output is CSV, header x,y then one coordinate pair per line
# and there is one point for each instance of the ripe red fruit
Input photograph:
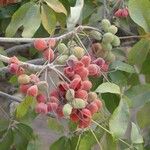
x,y
98,103
85,113
69,72
78,65
81,94
59,111
51,42
86,85
32,91
75,84
13,68
20,71
83,73
63,86
34,78
105,67
92,107
84,123
74,117
49,54
23,88
54,99
41,98
99,61
40,44
86,60
41,108
14,60
122,13
54,93
52,107
93,70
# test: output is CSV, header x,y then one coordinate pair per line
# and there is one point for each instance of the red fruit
x,y
59,111
83,73
49,55
118,13
52,107
13,68
86,60
34,78
20,71
78,65
84,123
99,61
81,94
93,69
76,76
40,44
32,91
86,85
54,99
98,103
92,107
122,13
75,84
105,67
54,93
51,42
63,86
74,115
69,72
85,113
41,98
14,60
24,87
125,12
41,108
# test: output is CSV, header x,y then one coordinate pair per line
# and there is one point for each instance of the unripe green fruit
x,y
67,109
72,57
70,95
108,37
62,48
78,103
23,79
62,59
107,46
110,57
96,35
116,41
78,52
105,24
92,96
113,29
71,44
42,86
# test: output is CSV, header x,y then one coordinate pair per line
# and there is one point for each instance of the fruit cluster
x,y
122,13
106,42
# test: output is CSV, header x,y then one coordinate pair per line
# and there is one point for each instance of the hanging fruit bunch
x,y
71,97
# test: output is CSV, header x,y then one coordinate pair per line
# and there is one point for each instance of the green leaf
x,y
136,137
7,140
3,125
119,65
119,120
143,116
17,19
34,145
138,95
139,51
23,107
48,19
108,87
32,21
139,10
56,6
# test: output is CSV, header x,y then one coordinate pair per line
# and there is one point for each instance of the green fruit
x,y
78,52
110,57
96,35
23,79
62,48
71,44
70,95
113,29
62,59
105,24
92,96
72,57
107,46
116,41
78,103
108,37
67,109
42,86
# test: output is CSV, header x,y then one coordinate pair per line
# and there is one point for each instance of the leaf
x,y
17,19
7,140
3,125
32,21
119,120
139,11
56,6
119,65
143,116
136,137
75,14
48,19
34,145
22,108
138,95
108,87
139,50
